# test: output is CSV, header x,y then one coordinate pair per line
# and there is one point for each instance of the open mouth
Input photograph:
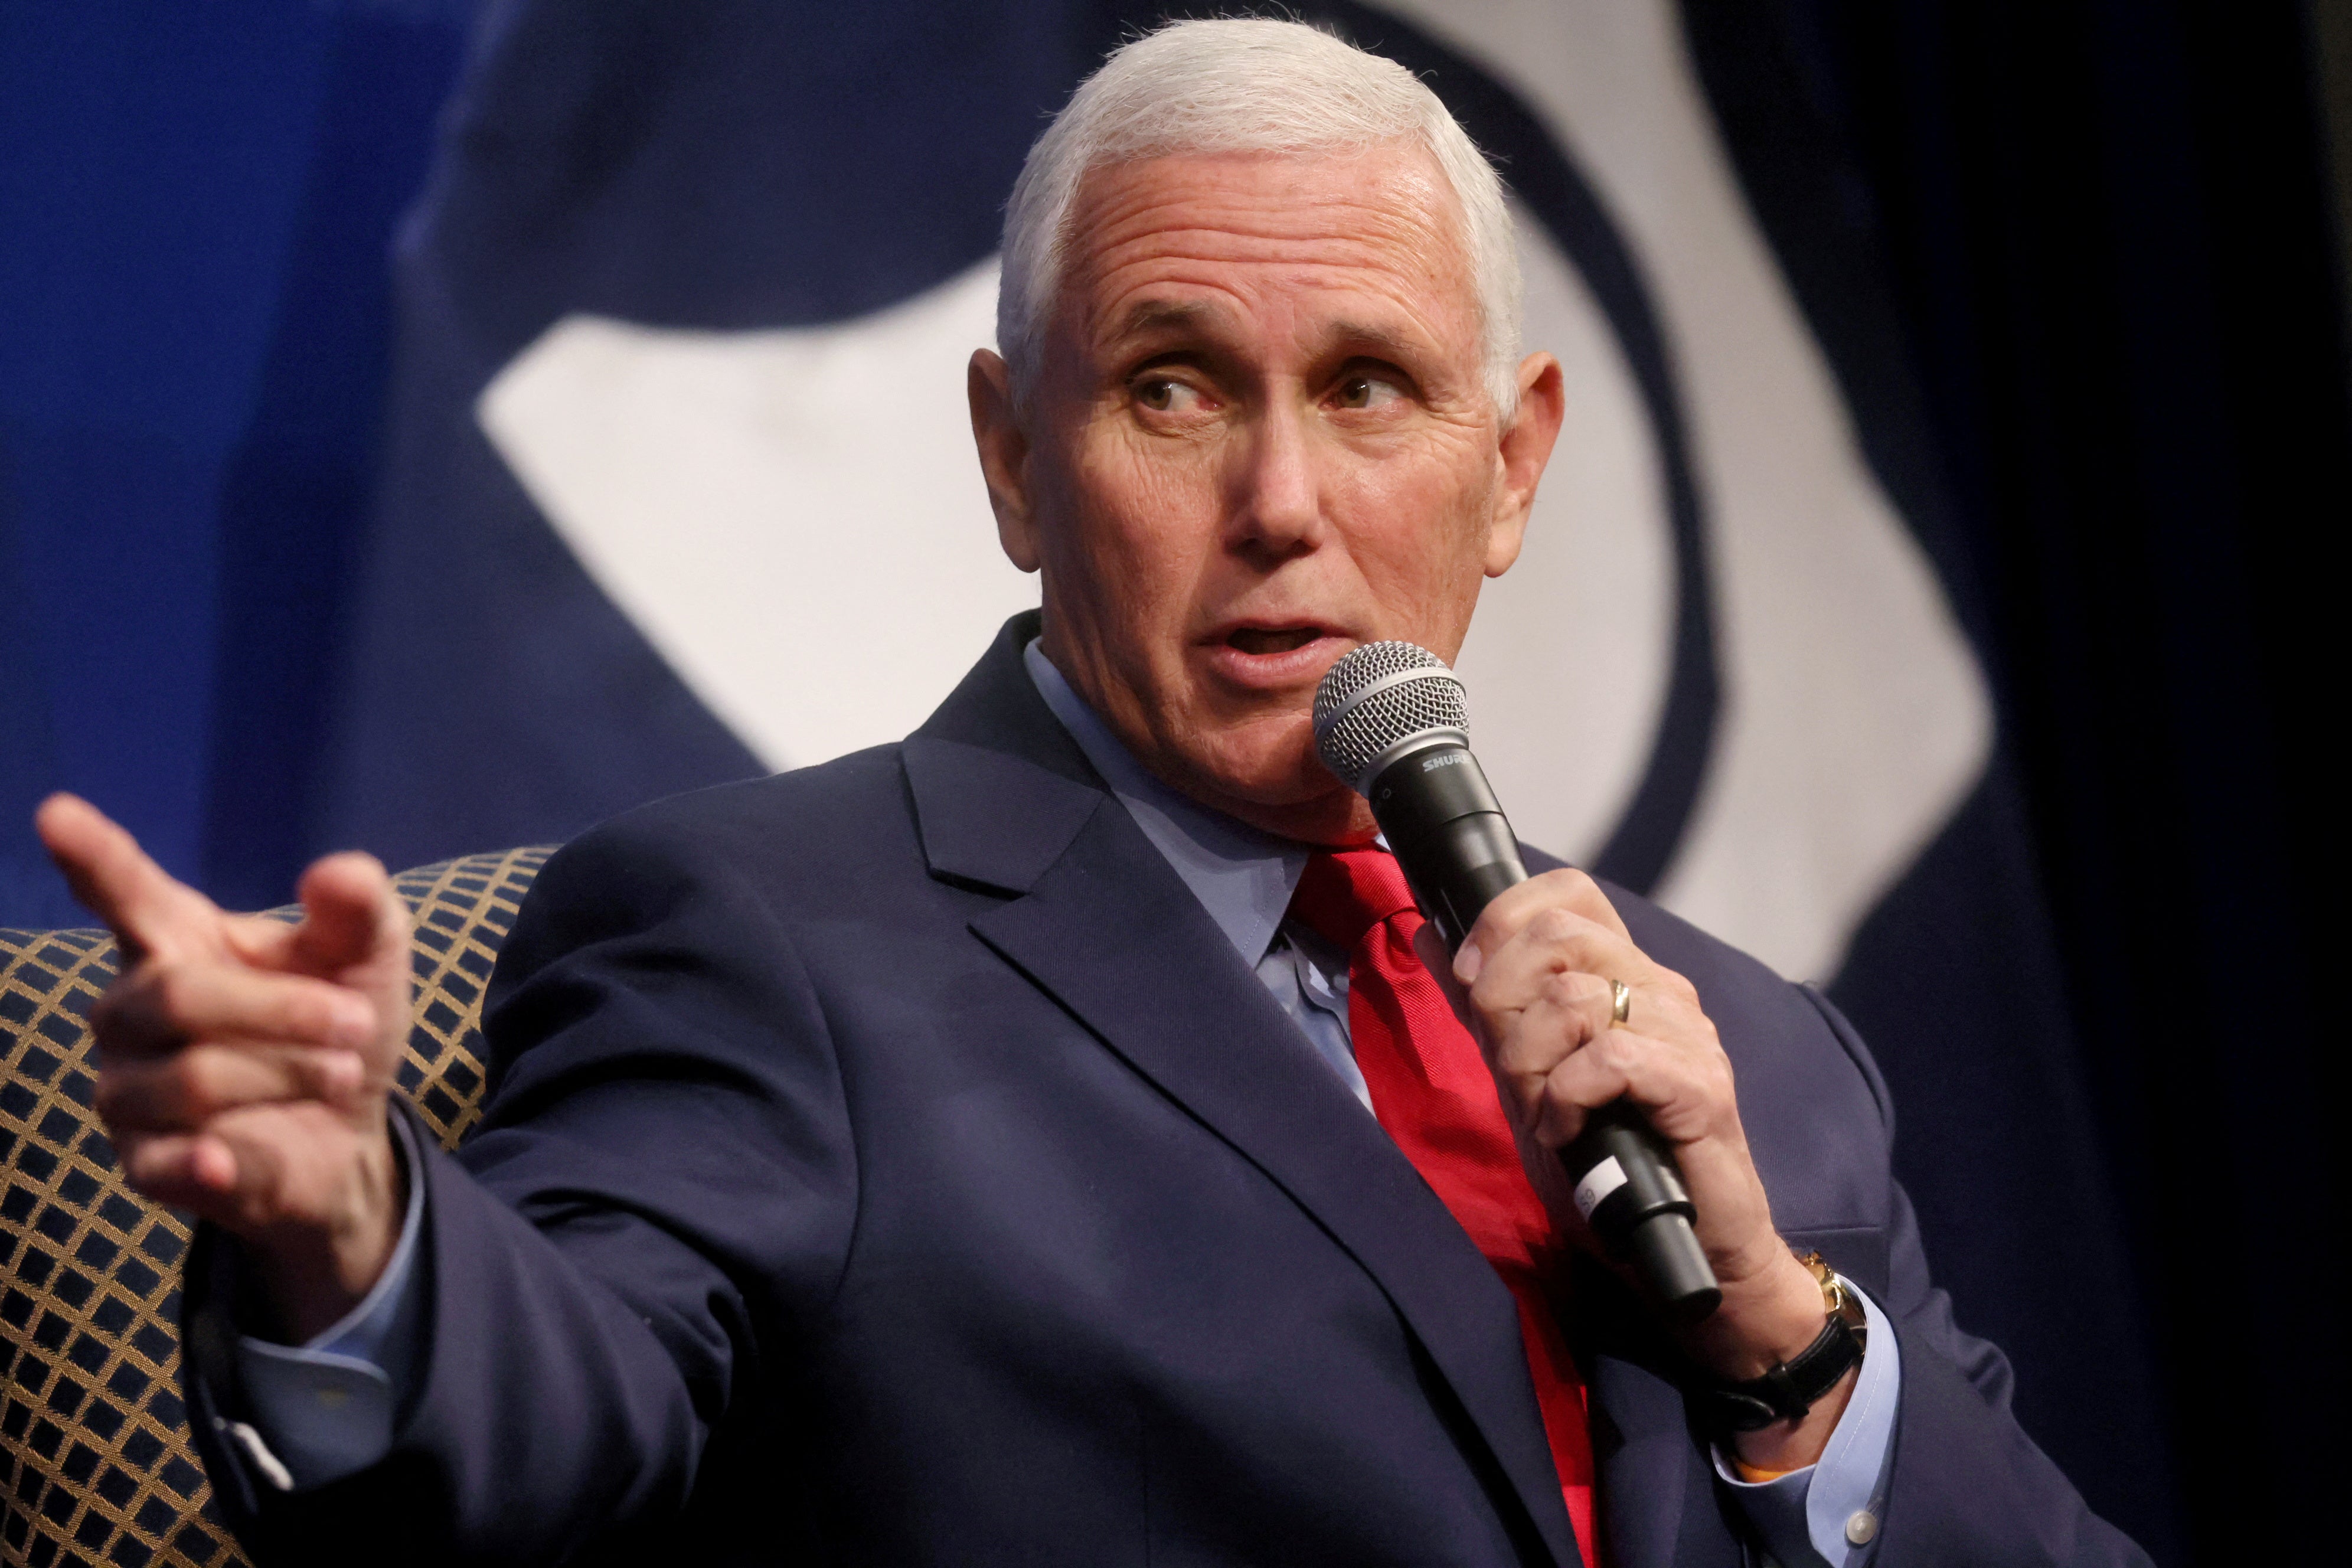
x,y
1271,639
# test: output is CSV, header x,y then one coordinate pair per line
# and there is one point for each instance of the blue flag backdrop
x,y
642,466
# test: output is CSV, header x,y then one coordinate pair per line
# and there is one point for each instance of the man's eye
x,y
1164,395
1368,392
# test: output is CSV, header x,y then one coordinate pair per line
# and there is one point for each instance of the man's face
x,y
1260,437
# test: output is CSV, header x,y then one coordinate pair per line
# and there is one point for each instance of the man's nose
x,y
1277,505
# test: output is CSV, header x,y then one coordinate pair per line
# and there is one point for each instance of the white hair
x,y
1245,86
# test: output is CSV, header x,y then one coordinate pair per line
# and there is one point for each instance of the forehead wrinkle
x,y
1399,203
1215,319
1214,295
1349,233
1352,334
1385,238
1167,315
1156,318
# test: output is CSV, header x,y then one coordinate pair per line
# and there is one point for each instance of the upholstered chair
x,y
98,1467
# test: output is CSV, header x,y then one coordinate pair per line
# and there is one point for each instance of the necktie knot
x,y
1344,894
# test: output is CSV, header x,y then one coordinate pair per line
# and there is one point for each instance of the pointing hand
x,y
244,1064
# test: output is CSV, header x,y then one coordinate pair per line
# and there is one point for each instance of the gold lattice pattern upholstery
x,y
94,1442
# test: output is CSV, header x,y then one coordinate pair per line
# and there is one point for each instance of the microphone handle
x,y
1458,853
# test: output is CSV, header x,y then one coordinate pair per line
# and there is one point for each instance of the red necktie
x,y
1432,1090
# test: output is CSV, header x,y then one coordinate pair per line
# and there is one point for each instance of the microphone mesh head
x,y
1379,696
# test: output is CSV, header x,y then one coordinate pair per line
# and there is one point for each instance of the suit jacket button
x,y
1860,1527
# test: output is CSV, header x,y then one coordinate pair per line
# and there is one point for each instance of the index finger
x,y
1567,888
112,877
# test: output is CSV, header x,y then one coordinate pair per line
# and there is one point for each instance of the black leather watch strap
x,y
1788,1390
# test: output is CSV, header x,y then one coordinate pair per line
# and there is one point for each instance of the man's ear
x,y
1520,455
1003,454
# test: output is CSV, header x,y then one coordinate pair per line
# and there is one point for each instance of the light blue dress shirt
x,y
326,1408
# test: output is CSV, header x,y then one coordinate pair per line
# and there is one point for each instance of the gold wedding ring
x,y
1620,1004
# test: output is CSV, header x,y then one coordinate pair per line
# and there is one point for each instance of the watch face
x,y
1856,1324
1838,1299
1844,1304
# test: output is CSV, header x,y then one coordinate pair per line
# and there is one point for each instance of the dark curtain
x,y
2103,237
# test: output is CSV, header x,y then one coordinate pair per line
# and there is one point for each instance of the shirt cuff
x,y
1823,1515
325,1409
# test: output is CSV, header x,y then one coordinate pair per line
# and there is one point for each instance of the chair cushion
x,y
94,1448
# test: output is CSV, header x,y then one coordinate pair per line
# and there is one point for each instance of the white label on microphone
x,y
1599,1183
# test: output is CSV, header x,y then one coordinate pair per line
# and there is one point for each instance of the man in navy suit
x,y
974,1149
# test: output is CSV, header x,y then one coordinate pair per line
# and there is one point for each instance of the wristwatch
x,y
1786,1391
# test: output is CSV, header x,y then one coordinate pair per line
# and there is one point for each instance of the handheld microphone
x,y
1393,721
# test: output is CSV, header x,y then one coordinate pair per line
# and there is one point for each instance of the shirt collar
x,y
1243,877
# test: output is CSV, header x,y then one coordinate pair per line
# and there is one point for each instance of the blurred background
x,y
433,426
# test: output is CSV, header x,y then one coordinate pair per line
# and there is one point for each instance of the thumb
x,y
352,918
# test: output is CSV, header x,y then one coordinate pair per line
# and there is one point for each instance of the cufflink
x,y
257,1452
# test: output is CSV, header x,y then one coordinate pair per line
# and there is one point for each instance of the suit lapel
x,y
1102,923
1114,936
1641,1445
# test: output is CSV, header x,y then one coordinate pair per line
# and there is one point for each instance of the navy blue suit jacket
x,y
890,1163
